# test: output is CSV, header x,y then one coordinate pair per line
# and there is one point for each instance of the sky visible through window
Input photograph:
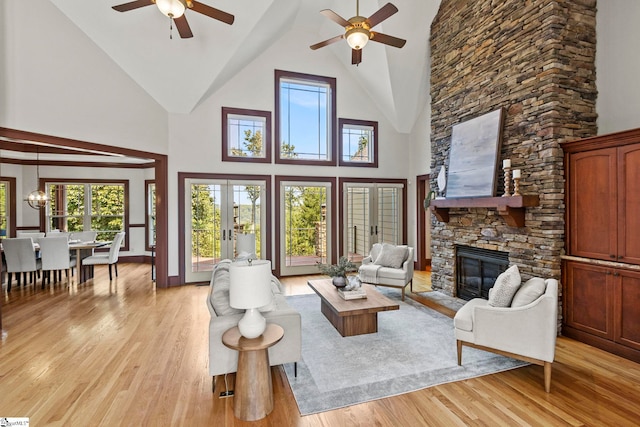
x,y
304,121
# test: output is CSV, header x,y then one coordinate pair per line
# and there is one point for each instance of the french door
x,y
373,213
216,211
305,226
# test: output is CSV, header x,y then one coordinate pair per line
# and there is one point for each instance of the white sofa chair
x,y
526,332
223,360
388,265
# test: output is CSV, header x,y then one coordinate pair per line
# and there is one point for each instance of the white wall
x,y
56,81
618,65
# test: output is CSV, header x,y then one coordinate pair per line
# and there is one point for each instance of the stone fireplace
x,y
535,59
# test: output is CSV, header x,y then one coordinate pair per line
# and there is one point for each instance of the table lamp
x,y
250,288
246,246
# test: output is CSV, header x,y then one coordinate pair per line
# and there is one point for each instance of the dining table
x,y
83,250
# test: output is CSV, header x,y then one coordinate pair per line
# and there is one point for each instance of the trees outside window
x,y
96,206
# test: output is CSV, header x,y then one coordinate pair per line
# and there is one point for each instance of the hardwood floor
x,y
128,354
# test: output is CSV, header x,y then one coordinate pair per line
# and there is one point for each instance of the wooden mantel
x,y
511,208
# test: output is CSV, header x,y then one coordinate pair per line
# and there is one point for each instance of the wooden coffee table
x,y
351,317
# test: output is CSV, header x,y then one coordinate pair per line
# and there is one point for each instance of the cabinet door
x,y
629,204
627,308
593,211
588,303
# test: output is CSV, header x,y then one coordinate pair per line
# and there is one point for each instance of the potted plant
x,y
338,272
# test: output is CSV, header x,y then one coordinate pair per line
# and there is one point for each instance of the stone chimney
x,y
535,59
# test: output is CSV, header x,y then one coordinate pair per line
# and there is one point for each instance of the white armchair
x,y
388,265
526,332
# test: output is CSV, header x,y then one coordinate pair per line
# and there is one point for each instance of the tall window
x,y
96,206
4,209
305,118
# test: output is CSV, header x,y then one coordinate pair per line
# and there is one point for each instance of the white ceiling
x,y
138,41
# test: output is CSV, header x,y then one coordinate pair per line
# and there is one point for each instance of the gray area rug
x,y
414,348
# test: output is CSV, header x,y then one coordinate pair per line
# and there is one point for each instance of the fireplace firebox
x,y
477,270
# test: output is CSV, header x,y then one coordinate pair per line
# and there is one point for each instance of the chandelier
x,y
37,199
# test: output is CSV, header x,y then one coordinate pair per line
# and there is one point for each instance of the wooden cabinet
x,y
601,299
604,204
601,307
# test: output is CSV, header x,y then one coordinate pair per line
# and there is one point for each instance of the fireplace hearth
x,y
477,270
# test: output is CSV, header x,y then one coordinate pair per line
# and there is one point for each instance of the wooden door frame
x,y
423,182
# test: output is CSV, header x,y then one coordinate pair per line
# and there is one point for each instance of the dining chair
x,y
110,258
21,258
29,233
84,236
54,253
58,233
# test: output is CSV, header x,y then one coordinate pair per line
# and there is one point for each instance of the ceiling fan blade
x,y
214,13
356,56
183,27
335,17
390,40
385,11
327,42
132,5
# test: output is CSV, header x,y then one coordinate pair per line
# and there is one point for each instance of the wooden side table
x,y
253,394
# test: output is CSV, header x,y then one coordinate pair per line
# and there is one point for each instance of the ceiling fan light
x,y
171,8
357,38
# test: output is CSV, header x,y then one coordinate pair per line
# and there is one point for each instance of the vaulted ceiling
x,y
138,41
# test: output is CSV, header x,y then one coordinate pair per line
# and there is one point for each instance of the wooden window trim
x,y
266,137
374,143
332,149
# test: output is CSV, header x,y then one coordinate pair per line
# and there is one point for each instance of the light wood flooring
x,y
124,353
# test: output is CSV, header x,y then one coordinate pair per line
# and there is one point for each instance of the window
x,y
80,206
305,119
4,208
150,211
358,143
246,135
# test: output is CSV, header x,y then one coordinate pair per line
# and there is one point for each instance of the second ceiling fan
x,y
175,9
358,30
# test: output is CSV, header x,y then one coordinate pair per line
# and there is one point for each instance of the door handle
x,y
376,230
224,234
230,235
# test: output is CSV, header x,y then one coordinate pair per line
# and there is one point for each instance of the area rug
x,y
414,348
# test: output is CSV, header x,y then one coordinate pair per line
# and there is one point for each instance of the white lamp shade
x,y
171,8
357,38
246,245
250,284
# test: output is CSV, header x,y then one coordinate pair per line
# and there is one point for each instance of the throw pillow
x,y
530,291
506,286
220,294
392,256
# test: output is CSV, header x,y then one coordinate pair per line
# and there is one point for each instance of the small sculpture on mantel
x,y
442,182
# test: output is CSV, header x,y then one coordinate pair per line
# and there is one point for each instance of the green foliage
x,y
288,151
303,207
205,219
340,269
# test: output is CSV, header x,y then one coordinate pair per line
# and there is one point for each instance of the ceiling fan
x,y
358,30
175,9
